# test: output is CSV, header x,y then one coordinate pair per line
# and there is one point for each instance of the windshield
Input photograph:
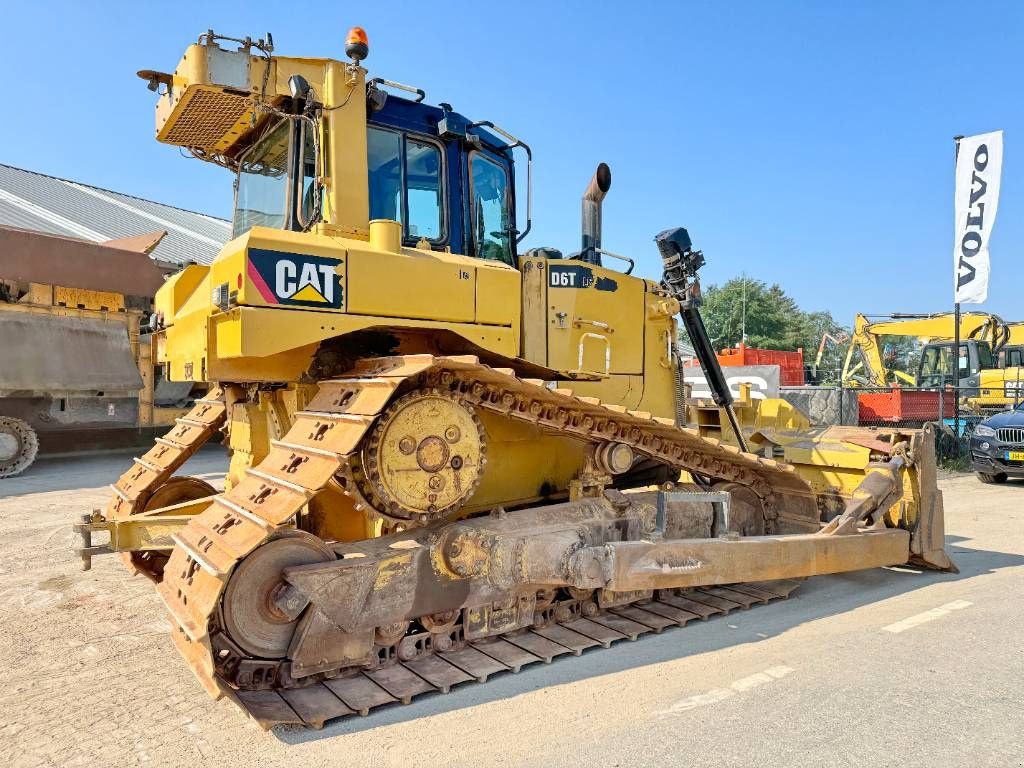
x,y
935,366
491,231
985,359
261,192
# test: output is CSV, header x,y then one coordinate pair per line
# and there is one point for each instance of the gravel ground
x,y
884,667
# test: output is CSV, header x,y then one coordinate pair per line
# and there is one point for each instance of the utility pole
x,y
956,329
743,315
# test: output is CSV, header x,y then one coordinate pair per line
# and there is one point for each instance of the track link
x,y
322,440
153,469
363,691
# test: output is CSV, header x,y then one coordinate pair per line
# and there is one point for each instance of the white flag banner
x,y
979,162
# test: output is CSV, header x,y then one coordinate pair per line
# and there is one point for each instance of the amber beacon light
x,y
357,44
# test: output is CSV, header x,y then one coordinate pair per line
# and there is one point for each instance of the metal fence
x,y
908,407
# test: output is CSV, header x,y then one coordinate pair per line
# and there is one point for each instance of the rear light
x,y
222,297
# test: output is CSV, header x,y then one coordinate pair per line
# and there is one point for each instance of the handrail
x,y
514,142
420,93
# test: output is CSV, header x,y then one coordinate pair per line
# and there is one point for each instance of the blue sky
x,y
808,143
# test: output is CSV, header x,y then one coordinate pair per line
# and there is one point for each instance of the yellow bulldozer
x,y
450,456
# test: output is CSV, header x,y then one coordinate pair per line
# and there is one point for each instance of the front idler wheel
x,y
254,610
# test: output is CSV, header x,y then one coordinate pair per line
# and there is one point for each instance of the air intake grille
x,y
207,119
1010,434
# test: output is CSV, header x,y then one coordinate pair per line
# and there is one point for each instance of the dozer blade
x,y
927,544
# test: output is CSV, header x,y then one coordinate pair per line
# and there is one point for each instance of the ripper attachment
x,y
680,279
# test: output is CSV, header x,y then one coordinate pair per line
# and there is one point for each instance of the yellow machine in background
x,y
77,370
1012,355
990,374
439,442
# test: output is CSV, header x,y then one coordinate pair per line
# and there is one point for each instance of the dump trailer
x,y
450,456
77,367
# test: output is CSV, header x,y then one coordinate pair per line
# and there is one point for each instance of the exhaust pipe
x,y
599,185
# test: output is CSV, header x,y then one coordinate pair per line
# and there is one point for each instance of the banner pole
x,y
956,322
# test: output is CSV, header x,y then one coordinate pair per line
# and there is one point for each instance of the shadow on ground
x,y
68,473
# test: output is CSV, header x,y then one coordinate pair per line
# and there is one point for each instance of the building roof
x,y
58,206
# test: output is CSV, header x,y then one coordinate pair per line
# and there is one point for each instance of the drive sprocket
x,y
425,456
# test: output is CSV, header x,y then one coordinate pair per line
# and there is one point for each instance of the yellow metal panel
x,y
307,262
497,294
659,375
278,344
526,452
185,348
616,389
595,317
145,362
827,454
41,294
347,198
535,313
226,335
412,284
997,388
175,292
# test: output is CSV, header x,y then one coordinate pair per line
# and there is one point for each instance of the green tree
x,y
772,320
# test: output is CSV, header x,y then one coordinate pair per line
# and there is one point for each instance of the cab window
x,y
935,366
261,188
985,359
276,183
405,183
492,235
423,190
309,190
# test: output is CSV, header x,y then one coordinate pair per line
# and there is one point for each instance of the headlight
x,y
982,431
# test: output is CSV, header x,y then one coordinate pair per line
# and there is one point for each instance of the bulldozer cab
x,y
332,155
451,188
449,184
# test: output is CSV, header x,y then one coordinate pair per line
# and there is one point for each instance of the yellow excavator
x,y
451,457
991,378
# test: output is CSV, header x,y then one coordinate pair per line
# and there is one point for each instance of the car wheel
x,y
991,479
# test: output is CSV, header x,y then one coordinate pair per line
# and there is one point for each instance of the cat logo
x,y
296,279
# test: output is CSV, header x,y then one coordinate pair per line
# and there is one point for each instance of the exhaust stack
x,y
599,185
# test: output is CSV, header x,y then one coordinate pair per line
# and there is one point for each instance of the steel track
x,y
476,661
320,442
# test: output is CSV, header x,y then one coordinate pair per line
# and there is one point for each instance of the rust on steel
x,y
119,266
